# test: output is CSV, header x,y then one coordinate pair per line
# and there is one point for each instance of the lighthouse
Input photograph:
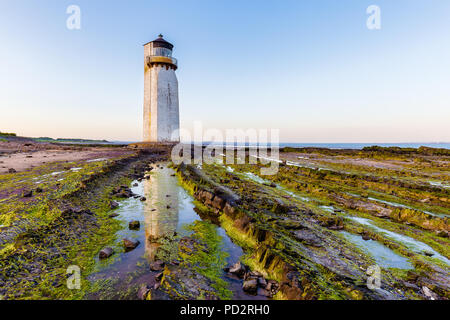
x,y
161,109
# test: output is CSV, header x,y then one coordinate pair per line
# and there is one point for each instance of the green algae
x,y
211,262
45,218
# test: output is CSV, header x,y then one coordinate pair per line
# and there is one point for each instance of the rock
x,y
130,244
280,207
157,265
218,203
365,237
143,199
262,283
134,225
442,233
426,200
308,237
272,286
124,194
428,254
273,185
159,276
429,294
238,269
264,293
255,274
229,210
333,223
113,204
113,215
106,253
11,170
27,194
410,285
135,184
250,286
143,292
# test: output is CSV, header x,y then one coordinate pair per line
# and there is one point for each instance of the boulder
x,y
106,253
144,292
429,294
11,170
365,236
229,210
143,199
262,283
157,265
130,244
250,286
238,269
27,194
272,286
218,203
134,225
113,204
308,237
264,293
442,233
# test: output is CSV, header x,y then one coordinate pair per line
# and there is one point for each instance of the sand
x,y
21,158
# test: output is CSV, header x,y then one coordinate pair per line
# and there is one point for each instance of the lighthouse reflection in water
x,y
167,209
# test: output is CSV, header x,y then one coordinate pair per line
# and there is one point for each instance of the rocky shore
x,y
140,230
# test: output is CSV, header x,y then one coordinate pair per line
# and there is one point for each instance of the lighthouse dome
x,y
161,43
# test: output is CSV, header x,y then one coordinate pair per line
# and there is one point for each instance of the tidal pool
x,y
382,255
168,210
412,244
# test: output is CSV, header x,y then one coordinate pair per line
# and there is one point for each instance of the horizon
x,y
280,142
336,79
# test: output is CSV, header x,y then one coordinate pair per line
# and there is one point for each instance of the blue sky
x,y
309,68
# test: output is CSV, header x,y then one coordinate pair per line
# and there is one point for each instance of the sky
x,y
311,69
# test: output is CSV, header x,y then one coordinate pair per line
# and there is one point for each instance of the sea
x,y
357,146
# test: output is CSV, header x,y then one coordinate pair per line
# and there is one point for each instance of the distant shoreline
x,y
336,145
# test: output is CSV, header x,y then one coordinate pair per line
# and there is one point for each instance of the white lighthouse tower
x,y
161,109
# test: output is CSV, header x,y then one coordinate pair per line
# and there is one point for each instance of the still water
x,y
168,209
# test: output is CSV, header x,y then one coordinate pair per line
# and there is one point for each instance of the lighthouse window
x,y
162,52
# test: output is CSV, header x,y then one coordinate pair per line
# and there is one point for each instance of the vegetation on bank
x,y
66,222
6,134
314,191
